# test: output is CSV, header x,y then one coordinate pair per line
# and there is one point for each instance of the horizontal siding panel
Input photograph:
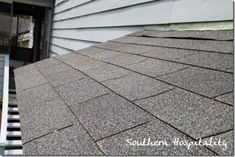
x,y
202,10
52,54
96,35
69,4
71,44
159,12
95,7
59,50
137,15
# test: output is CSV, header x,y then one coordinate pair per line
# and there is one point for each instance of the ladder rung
x,y
12,95
12,90
13,109
14,134
13,125
12,102
13,152
14,143
13,117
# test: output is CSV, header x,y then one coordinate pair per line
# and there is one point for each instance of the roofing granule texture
x,y
149,84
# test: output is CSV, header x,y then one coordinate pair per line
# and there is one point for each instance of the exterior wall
x,y
81,23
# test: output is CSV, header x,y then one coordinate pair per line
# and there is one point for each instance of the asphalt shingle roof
x,y
162,85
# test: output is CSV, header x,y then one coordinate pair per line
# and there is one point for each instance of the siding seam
x,y
89,41
73,7
61,47
94,27
104,11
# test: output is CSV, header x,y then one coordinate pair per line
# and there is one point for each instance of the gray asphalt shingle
x,y
80,90
203,81
33,96
26,70
63,77
227,98
81,62
67,56
226,141
209,60
102,54
125,59
196,116
73,58
30,82
203,45
229,70
70,141
135,86
127,39
154,68
47,63
89,50
156,131
109,114
216,35
169,53
54,69
44,118
106,72
93,100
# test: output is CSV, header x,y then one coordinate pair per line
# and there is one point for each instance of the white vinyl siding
x,y
81,23
95,34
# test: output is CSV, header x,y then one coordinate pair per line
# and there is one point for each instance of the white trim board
x,y
3,134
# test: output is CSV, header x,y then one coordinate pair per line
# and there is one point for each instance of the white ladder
x,y
14,142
